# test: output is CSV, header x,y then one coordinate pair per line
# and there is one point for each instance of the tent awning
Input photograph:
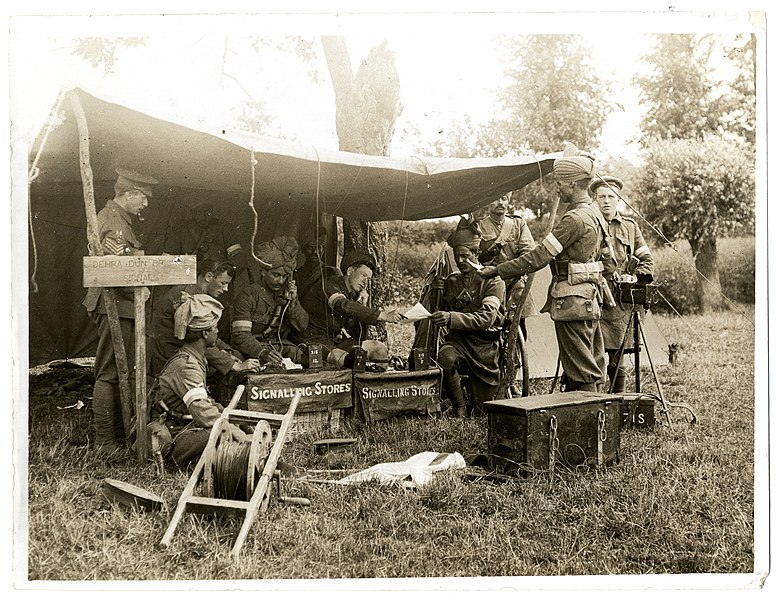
x,y
350,185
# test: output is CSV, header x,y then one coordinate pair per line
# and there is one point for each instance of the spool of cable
x,y
230,470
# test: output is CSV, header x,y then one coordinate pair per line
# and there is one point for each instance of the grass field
x,y
679,501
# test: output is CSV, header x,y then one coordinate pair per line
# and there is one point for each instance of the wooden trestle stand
x,y
263,460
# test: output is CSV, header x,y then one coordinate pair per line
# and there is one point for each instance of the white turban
x,y
574,165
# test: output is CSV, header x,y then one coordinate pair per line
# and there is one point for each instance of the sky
x,y
449,65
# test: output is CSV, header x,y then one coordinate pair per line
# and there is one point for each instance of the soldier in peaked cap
x,y
339,312
575,250
117,237
633,261
472,314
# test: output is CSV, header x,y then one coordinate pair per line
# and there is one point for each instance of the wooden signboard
x,y
321,390
393,393
139,271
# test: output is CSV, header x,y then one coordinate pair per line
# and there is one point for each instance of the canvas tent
x,y
287,184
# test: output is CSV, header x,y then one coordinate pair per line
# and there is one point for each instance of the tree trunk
x,y
705,255
367,107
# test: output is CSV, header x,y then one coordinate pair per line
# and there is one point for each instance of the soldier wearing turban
x,y
267,311
575,250
180,392
472,314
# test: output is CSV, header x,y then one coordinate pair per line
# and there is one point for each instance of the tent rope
x,y
32,176
671,245
400,226
253,162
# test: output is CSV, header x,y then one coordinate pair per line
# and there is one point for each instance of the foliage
x,y
101,51
555,94
680,500
698,189
682,98
674,270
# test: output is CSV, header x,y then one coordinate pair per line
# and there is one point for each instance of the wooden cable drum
x,y
237,465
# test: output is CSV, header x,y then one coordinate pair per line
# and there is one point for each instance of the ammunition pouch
x,y
585,272
574,302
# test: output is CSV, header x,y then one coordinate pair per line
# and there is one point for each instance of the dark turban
x,y
280,252
466,234
574,165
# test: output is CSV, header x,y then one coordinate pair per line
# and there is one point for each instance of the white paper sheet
x,y
415,313
475,265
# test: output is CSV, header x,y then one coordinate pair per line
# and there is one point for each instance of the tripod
x,y
640,297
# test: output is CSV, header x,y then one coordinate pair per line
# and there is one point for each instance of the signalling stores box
x,y
326,396
542,432
638,411
380,395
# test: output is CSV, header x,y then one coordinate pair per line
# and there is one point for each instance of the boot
x,y
452,387
104,408
620,380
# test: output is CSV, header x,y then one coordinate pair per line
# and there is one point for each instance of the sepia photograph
x,y
332,298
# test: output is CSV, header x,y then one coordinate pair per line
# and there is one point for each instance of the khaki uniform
x,y
262,320
117,238
578,238
504,242
181,390
336,317
476,308
627,241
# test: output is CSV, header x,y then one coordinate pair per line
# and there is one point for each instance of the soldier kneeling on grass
x,y
179,398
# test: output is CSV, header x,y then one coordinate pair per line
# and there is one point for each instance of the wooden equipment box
x,y
638,411
383,395
326,396
540,432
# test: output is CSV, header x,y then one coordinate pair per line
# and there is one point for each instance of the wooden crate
x,y
326,397
637,411
381,395
581,428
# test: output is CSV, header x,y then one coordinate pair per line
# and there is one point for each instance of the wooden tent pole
x,y
514,329
96,249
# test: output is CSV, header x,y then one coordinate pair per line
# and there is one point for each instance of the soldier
x,y
338,314
574,249
633,262
115,230
266,312
472,317
180,391
213,279
205,236
505,236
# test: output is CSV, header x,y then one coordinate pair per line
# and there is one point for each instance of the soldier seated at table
x,y
266,312
180,395
339,315
472,314
207,237
213,278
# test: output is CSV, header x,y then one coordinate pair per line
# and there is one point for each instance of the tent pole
x,y
96,249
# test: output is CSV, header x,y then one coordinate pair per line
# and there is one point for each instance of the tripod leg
x,y
664,403
619,357
637,372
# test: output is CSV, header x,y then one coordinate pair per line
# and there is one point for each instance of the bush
x,y
675,270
